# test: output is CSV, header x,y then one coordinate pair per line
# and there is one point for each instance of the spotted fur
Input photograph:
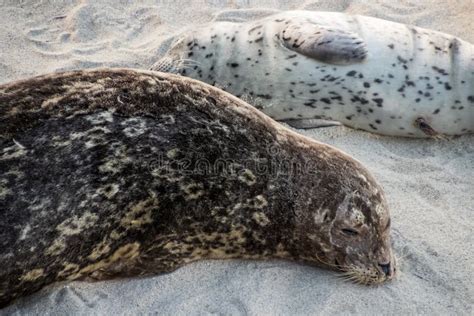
x,y
363,72
120,173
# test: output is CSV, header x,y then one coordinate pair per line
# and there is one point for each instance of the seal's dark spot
x,y
402,60
440,70
264,96
124,96
325,100
378,101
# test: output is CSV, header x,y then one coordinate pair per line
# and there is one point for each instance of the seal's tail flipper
x,y
330,45
310,123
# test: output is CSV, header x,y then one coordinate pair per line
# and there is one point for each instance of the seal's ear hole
x,y
350,232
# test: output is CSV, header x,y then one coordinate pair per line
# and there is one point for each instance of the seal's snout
x,y
165,64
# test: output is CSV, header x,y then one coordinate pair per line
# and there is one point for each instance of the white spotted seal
x,y
366,73
121,173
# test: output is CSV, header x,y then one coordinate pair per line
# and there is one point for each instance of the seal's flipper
x,y
310,123
237,15
425,127
330,45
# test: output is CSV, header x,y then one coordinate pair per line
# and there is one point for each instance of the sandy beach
x,y
429,184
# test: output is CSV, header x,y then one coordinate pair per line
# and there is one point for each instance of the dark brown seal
x,y
119,173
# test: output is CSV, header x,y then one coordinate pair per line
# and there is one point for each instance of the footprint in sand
x,y
69,293
92,34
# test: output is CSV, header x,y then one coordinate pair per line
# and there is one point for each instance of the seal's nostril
x,y
385,268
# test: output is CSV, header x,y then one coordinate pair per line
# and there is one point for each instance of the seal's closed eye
x,y
350,232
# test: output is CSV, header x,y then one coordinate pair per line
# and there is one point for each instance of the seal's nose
x,y
386,268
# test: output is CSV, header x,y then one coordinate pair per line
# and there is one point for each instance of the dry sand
x,y
429,184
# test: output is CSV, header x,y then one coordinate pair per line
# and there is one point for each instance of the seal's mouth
x,y
373,275
365,276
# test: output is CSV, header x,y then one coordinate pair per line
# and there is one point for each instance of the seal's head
x,y
350,231
360,238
